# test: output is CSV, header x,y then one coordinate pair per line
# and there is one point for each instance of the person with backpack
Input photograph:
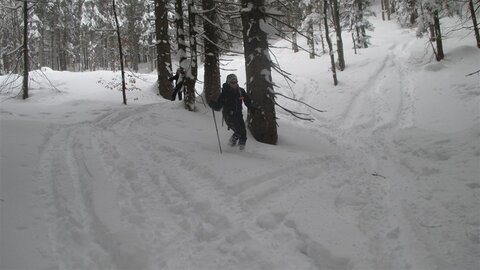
x,y
179,79
231,99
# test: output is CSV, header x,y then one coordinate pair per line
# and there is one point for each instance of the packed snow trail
x,y
406,221
134,198
372,117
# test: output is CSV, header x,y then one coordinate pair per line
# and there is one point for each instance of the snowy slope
x,y
387,178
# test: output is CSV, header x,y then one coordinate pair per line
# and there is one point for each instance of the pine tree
x,y
429,21
133,10
407,12
120,49
356,17
26,65
10,36
180,34
212,82
262,123
312,18
329,42
293,19
338,32
386,9
164,60
147,35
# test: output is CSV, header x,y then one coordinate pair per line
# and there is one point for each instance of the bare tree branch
x,y
296,114
299,101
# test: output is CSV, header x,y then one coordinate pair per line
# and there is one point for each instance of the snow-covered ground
x,y
387,178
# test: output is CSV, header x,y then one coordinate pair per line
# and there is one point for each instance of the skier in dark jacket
x,y
231,100
179,78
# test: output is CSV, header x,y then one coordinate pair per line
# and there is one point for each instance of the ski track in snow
x,y
127,197
400,237
371,198
117,216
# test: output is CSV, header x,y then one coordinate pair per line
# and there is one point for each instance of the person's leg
x,y
241,132
233,140
230,121
174,95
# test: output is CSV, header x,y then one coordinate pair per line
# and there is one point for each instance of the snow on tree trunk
x,y
438,36
179,25
164,60
329,42
262,123
338,32
212,84
294,42
25,50
192,69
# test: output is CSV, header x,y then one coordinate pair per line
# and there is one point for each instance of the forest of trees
x,y
164,35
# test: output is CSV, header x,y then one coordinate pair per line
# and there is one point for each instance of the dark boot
x,y
241,144
233,140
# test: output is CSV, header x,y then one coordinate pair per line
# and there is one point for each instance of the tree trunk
x,y
180,29
294,42
79,35
387,8
121,53
474,20
25,50
322,39
164,60
104,53
41,49
294,35
364,36
17,40
2,65
84,54
329,42
438,37
212,83
354,43
383,9
132,9
112,55
311,40
361,33
262,123
52,50
151,51
63,51
414,13
338,31
192,71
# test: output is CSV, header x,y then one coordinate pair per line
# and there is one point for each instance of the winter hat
x,y
231,77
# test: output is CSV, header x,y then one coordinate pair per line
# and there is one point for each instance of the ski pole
x,y
216,128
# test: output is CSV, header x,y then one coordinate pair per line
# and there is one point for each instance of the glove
x,y
215,106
